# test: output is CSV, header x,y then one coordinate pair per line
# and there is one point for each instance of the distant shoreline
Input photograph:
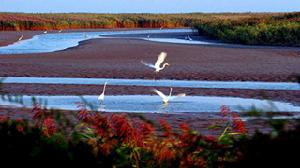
x,y
275,29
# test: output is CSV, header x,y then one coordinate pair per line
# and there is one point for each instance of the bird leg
x,y
154,77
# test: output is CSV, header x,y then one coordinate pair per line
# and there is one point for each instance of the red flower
x,y
238,124
107,147
3,118
210,138
184,127
166,153
146,129
19,120
20,128
167,129
83,114
101,125
124,129
49,126
38,112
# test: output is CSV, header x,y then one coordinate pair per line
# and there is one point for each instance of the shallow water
x,y
158,83
181,41
59,41
152,103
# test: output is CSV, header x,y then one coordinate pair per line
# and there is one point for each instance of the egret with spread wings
x,y
161,58
166,98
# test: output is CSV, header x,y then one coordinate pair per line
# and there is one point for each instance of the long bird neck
x,y
164,65
104,88
170,94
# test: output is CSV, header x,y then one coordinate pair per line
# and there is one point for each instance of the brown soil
x,y
120,58
46,89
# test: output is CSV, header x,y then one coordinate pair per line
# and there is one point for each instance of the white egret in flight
x,y
165,98
161,58
21,37
101,96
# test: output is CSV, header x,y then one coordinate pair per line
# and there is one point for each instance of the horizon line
x,y
256,12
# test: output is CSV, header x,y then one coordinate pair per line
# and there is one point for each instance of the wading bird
x,y
148,36
21,37
165,98
189,38
45,32
161,58
60,31
101,96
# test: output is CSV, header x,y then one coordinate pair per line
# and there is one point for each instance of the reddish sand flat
x,y
120,58
45,89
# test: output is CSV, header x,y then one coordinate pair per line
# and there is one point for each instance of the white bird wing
x,y
161,58
163,96
181,95
148,64
101,97
178,95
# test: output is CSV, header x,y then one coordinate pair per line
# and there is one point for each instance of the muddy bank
x,y
52,89
120,58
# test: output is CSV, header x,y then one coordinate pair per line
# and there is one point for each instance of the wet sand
x,y
120,58
53,89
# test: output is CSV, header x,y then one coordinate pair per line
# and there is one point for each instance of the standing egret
x,y
21,37
189,38
101,96
148,36
161,58
60,31
165,98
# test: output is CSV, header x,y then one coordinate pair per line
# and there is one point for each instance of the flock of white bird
x,y
45,32
158,66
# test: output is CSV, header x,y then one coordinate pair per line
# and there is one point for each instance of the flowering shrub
x,y
119,141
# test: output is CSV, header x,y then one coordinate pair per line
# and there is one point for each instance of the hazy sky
x,y
149,6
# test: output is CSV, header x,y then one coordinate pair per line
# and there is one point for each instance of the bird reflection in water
x,y
101,108
163,108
